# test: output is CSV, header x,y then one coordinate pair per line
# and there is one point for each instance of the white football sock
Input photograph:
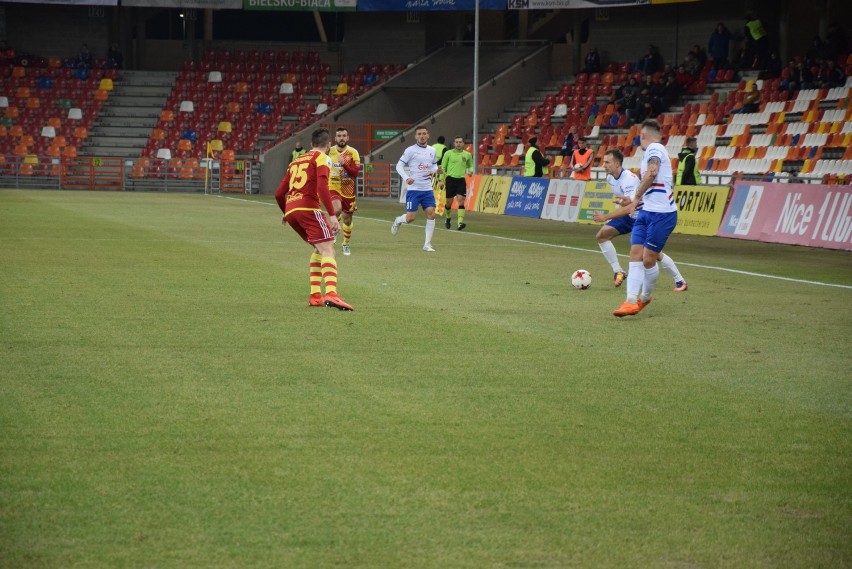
x,y
401,219
608,250
635,274
430,229
669,266
649,282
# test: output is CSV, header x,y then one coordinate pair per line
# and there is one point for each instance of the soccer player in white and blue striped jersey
x,y
654,222
624,184
422,165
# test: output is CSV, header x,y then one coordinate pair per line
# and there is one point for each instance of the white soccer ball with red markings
x,y
581,279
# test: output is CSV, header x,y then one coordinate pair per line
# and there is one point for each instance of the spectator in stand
x,y
625,96
773,67
570,143
757,40
816,51
831,75
836,41
84,58
114,58
800,78
692,65
642,107
719,46
669,94
751,103
700,55
740,60
593,62
651,62
683,77
668,71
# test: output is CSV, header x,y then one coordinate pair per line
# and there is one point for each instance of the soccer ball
x,y
581,279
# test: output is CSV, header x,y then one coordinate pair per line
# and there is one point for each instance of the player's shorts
x,y
455,187
311,225
621,224
419,198
347,205
652,229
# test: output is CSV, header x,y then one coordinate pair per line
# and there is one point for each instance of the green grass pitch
x,y
169,400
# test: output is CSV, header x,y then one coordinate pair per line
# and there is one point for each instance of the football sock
x,y
635,274
401,219
608,250
461,213
430,230
329,274
669,266
347,232
649,282
316,273
448,211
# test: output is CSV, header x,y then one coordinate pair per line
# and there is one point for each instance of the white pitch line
x,y
527,242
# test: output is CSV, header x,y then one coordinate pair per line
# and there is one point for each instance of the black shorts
x,y
455,187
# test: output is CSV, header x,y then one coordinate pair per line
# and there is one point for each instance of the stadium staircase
x,y
126,120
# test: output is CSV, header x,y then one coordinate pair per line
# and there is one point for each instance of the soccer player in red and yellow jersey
x,y
299,195
345,166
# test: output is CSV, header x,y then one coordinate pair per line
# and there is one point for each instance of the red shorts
x,y
347,205
311,225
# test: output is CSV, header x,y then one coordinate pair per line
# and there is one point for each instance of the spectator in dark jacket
x,y
719,46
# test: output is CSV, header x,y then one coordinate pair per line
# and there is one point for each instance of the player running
x,y
345,167
420,160
655,221
624,184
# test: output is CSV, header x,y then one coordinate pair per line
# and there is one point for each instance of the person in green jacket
x,y
457,162
297,151
687,164
534,160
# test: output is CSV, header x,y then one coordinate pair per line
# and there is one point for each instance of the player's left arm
x,y
647,179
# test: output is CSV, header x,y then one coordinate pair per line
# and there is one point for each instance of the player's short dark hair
x,y
441,139
691,141
458,136
320,137
533,140
615,153
422,127
652,124
342,129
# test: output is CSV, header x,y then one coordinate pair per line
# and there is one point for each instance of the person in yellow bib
x,y
457,162
345,167
687,164
534,161
297,151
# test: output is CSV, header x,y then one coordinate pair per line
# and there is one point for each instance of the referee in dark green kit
x,y
456,163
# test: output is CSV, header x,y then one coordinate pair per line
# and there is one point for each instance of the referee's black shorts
x,y
455,187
